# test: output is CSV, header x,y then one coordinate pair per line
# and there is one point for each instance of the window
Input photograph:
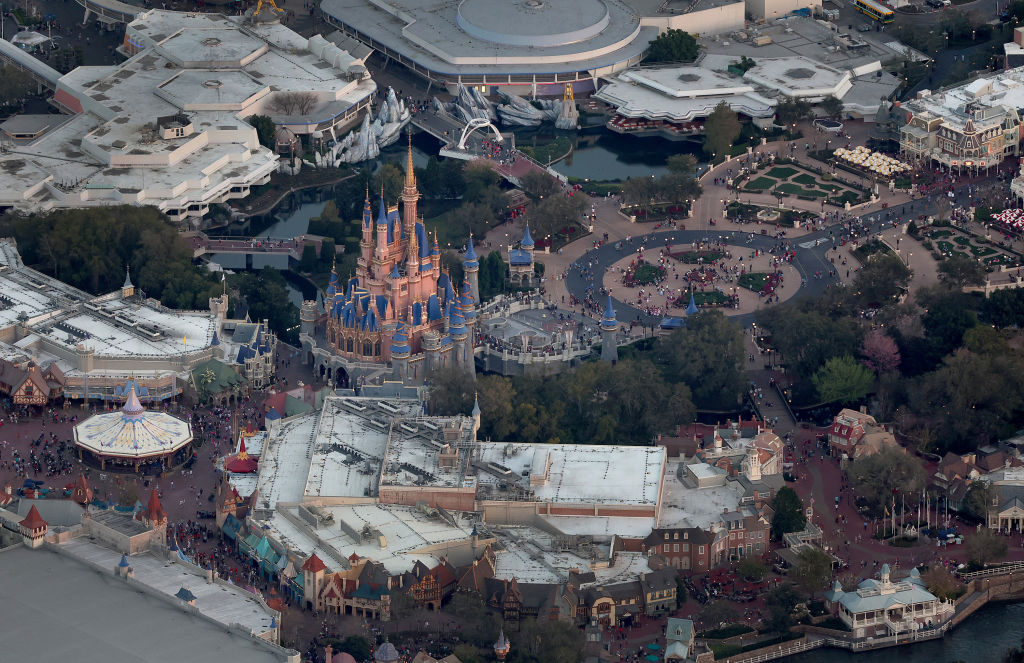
x,y
700,550
675,547
676,536
666,536
686,535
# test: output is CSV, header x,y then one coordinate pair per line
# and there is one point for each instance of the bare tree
x,y
292,103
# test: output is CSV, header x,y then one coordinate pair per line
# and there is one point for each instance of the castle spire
x,y
410,172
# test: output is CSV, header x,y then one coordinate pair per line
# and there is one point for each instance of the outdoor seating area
x,y
873,163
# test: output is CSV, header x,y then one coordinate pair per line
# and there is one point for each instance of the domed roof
x,y
386,653
134,432
284,135
343,657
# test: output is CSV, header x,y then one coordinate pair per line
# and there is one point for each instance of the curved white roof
x,y
134,432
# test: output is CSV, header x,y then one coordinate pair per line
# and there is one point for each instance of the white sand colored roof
x,y
133,432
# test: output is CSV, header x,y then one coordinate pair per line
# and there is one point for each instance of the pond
x,y
608,155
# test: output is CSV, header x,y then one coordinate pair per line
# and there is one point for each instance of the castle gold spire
x,y
410,171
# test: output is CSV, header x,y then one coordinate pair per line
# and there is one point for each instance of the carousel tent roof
x,y
134,432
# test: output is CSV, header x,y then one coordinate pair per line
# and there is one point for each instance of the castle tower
x,y
467,304
154,516
128,289
410,194
225,502
609,326
527,243
502,646
471,266
400,352
457,330
307,317
124,568
82,493
435,254
312,581
432,351
33,528
367,240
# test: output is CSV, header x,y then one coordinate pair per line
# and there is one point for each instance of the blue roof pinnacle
x,y
527,239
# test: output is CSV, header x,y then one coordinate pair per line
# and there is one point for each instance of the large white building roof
x,y
985,100
166,128
495,37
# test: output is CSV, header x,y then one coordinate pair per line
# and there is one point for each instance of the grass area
x,y
869,248
806,179
725,632
723,650
782,172
982,251
761,183
961,240
797,190
939,234
548,152
753,281
647,274
710,298
847,197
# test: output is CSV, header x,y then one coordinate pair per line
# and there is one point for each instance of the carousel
x,y
134,438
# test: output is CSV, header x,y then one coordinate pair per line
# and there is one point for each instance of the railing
x,y
779,651
1011,567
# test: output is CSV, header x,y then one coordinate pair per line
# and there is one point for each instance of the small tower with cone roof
x,y
476,415
609,327
128,289
33,528
154,517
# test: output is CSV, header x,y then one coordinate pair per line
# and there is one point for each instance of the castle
x,y
401,308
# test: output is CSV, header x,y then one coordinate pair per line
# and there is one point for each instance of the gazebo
x,y
134,437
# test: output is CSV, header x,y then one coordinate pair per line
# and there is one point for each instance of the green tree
x,y
537,184
752,568
15,85
881,280
986,546
716,613
673,46
843,380
812,569
960,271
452,392
978,498
789,513
391,177
721,129
1004,308
707,355
266,296
780,603
878,478
831,106
744,64
682,164
638,190
265,129
492,276
945,323
792,111
941,582
357,646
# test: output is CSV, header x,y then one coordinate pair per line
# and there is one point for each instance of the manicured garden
x,y
946,242
801,181
753,281
695,257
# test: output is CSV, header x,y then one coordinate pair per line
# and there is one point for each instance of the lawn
x,y
939,234
710,298
692,257
796,190
961,240
982,251
847,196
944,246
782,172
806,179
761,183
753,281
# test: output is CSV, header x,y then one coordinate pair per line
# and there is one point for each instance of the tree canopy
x,y
90,248
266,296
812,569
707,355
789,513
880,477
959,271
842,380
265,129
673,46
721,129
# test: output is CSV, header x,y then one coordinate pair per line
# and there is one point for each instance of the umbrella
x,y
654,646
652,658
